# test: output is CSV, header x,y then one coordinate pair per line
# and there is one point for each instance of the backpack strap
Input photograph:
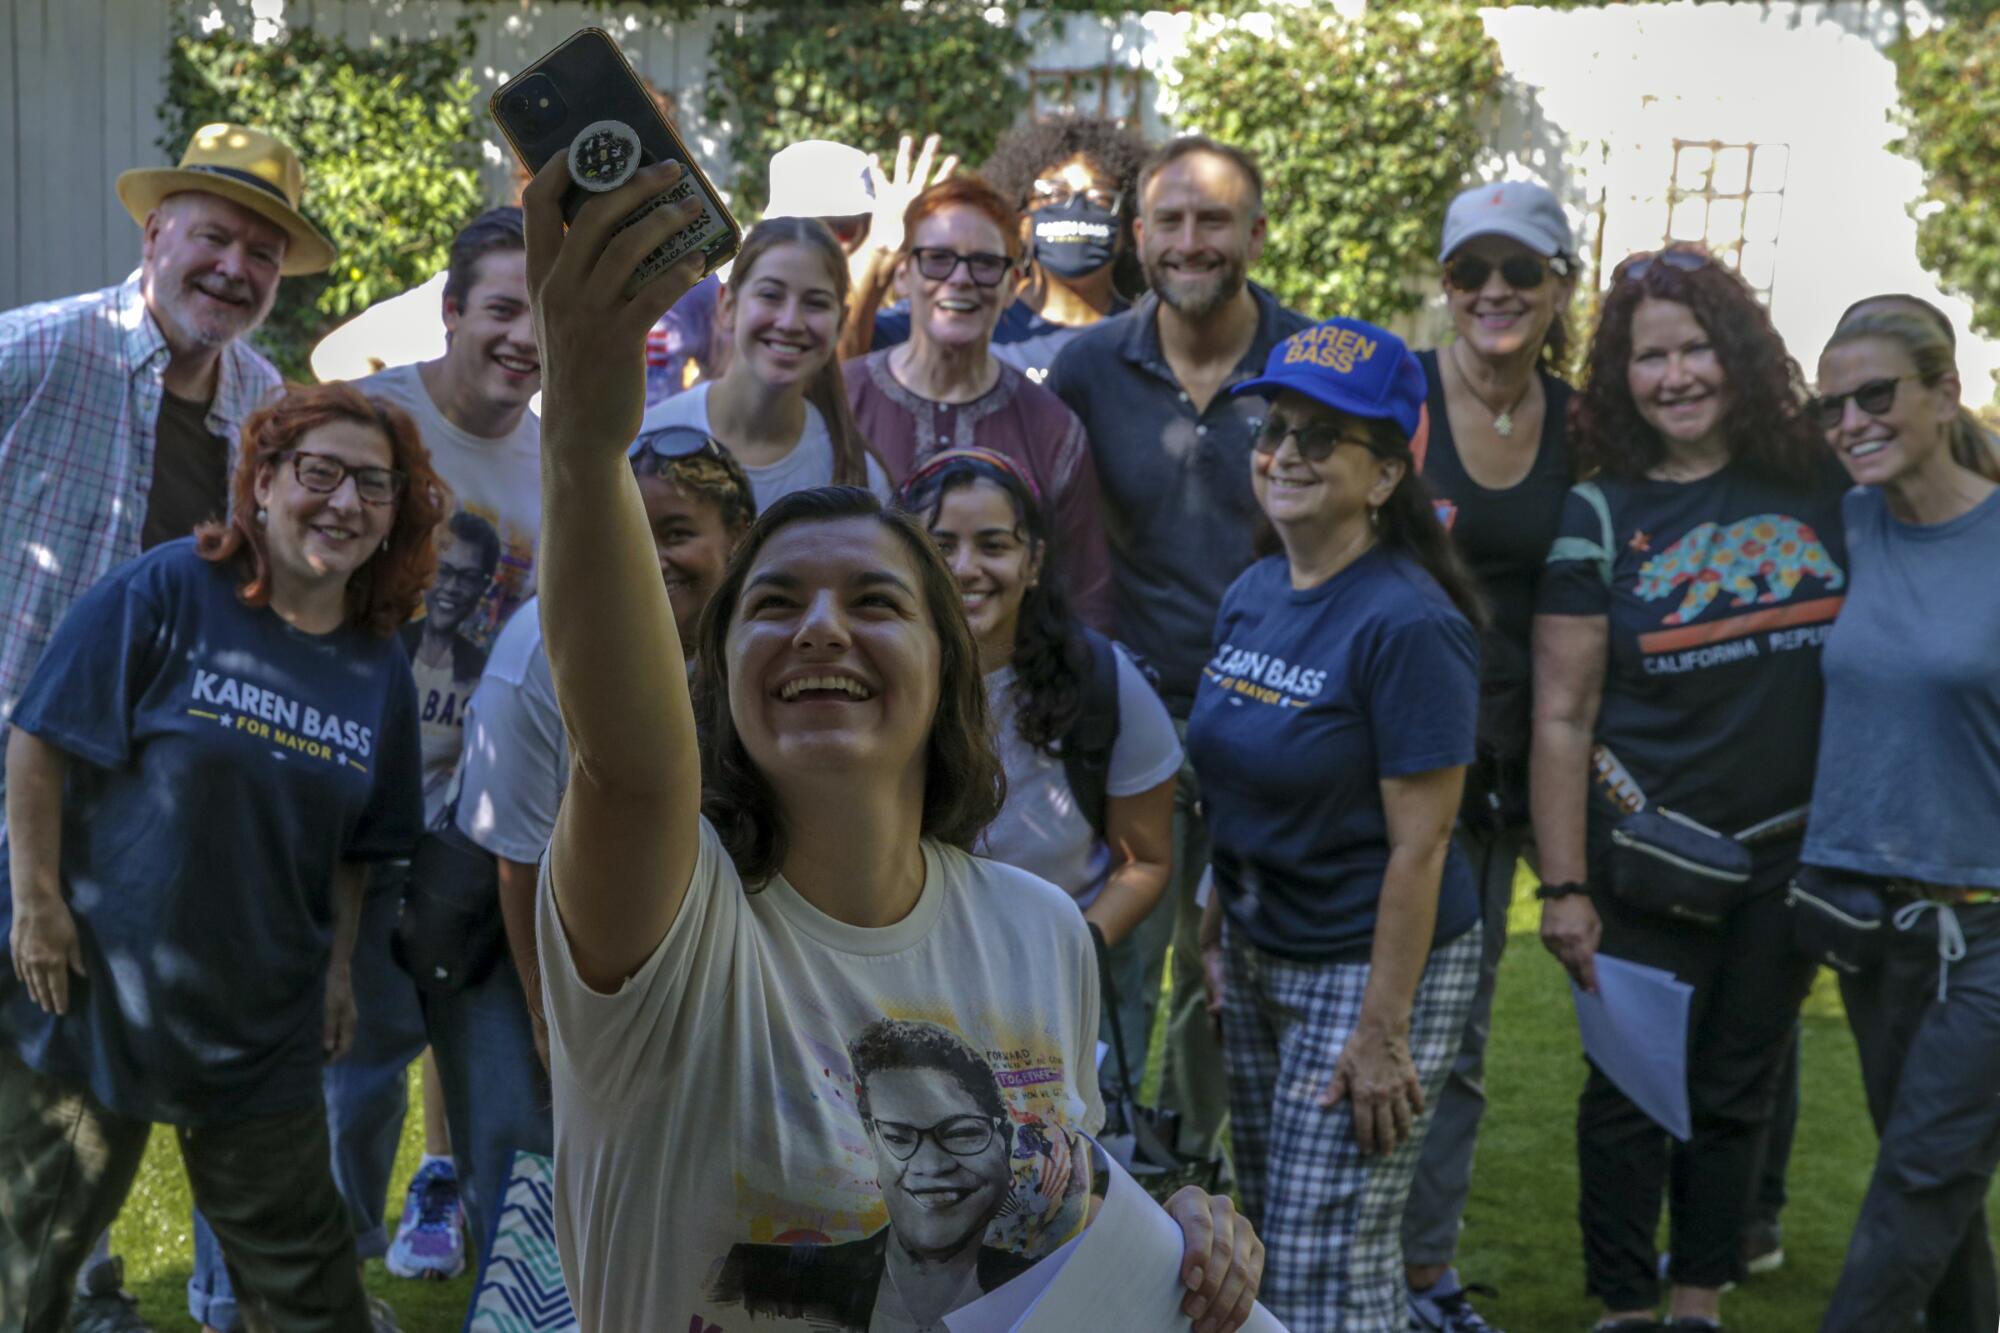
x,y
1087,745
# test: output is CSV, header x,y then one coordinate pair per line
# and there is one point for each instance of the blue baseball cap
x,y
1352,367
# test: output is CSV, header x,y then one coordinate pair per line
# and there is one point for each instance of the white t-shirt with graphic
x,y
499,481
809,464
1040,829
713,1165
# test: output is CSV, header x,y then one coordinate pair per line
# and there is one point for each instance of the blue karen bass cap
x,y
1352,367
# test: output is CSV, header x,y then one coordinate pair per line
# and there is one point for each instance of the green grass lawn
x,y
1520,1236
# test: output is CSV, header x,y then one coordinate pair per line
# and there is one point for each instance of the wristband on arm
x,y
1567,889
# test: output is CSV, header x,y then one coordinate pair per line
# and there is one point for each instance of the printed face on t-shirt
x,y
781,317
491,349
462,579
1677,380
943,1163
833,660
981,538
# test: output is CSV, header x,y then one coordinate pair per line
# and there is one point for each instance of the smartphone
x,y
585,100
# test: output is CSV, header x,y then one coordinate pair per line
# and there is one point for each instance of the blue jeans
x,y
367,1095
496,1093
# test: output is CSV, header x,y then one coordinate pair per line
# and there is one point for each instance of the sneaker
x,y
430,1239
107,1307
1763,1249
1446,1307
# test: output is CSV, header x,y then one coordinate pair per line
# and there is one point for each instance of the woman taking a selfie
x,y
780,406
733,934
1330,732
219,741
1677,702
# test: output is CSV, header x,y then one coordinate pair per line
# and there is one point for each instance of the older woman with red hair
x,y
219,740
944,388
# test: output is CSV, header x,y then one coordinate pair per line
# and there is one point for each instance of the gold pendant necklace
x,y
1503,420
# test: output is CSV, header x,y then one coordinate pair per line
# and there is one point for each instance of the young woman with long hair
x,y
780,404
813,1063
1331,731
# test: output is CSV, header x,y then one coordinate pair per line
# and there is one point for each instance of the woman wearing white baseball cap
x,y
1497,461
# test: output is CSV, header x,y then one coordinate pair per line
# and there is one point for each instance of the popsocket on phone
x,y
604,155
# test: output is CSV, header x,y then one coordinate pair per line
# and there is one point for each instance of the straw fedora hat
x,y
246,167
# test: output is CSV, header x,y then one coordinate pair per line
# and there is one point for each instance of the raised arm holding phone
x,y
725,973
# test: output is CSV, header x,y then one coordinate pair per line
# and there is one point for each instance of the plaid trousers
x,y
1331,1217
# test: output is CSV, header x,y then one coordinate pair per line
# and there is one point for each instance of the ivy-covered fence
x,y
387,136
1950,84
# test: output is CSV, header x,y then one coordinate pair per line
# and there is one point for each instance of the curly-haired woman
x,y
1074,180
220,739
1677,638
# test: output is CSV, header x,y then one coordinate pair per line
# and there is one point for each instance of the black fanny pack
x,y
449,933
1670,865
1838,918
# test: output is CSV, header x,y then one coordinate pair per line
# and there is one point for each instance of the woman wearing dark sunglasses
x,y
1903,813
944,388
722,913
219,741
1330,733
1496,458
1677,638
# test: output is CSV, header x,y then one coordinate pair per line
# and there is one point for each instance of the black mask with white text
x,y
1075,239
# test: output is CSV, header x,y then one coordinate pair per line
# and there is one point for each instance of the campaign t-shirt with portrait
x,y
1040,829
221,764
499,482
1312,697
809,464
714,1168
1720,594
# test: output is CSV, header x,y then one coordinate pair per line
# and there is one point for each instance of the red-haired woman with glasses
x,y
218,742
1694,577
944,388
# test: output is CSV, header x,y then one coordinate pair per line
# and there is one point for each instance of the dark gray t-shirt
x,y
1174,484
1909,755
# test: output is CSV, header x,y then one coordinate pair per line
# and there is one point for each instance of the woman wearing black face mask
x,y
1072,179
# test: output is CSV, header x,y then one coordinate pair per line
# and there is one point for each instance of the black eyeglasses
x,y
1636,267
1468,273
676,442
939,264
1059,194
959,1135
1875,397
322,474
1316,442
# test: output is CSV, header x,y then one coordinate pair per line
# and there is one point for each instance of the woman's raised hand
x,y
895,192
590,324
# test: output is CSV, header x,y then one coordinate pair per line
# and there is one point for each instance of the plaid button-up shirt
x,y
80,387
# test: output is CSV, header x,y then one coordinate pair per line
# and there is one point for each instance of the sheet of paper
x,y
1122,1272
1635,1029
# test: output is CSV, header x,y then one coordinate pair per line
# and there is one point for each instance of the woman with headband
x,y
1677,696
1088,749
1331,732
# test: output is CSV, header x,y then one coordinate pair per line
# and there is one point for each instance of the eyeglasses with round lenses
x,y
1468,273
322,474
1059,194
1316,442
959,1135
938,264
1875,397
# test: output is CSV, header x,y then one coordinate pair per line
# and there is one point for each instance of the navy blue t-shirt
x,y
1313,697
221,764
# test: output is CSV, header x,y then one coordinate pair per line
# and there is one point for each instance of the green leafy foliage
x,y
387,136
1365,129
1950,82
863,74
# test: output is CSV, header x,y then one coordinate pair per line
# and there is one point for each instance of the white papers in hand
x,y
1635,1029
1122,1272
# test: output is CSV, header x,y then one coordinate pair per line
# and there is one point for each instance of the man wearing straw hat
x,y
120,410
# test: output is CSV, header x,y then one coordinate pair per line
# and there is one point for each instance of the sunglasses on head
x,y
1875,397
938,264
676,442
1468,273
1636,267
1316,441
